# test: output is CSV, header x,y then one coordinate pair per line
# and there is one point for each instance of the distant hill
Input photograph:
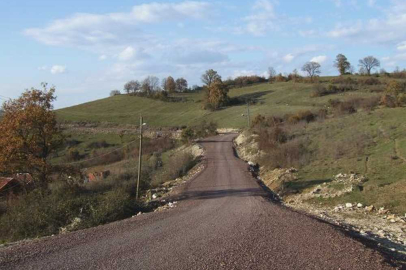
x,y
276,98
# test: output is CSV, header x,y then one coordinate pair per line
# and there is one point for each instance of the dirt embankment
x,y
376,224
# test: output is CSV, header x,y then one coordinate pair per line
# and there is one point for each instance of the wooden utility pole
x,y
139,159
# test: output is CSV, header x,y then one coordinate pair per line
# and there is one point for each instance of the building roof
x,y
4,181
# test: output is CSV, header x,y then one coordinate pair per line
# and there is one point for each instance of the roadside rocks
x,y
167,206
71,227
162,191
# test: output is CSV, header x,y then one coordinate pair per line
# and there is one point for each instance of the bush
x,y
306,116
98,144
343,107
369,81
322,114
344,80
261,121
369,104
280,78
293,153
111,206
388,101
395,94
202,130
188,134
73,155
319,90
177,166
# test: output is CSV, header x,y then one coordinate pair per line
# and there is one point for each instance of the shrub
x,y
344,80
322,114
111,206
98,144
397,91
269,138
261,121
177,166
306,116
344,107
280,78
319,90
293,153
369,81
73,155
369,104
388,101
188,134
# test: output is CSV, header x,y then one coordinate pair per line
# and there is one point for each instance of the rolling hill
x,y
277,98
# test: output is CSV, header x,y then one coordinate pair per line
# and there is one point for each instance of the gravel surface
x,y
223,220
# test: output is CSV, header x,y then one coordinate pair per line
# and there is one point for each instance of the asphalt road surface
x,y
224,220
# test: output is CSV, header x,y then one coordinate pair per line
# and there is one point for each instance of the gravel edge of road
x,y
392,258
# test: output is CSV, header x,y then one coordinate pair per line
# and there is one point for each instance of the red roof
x,y
4,181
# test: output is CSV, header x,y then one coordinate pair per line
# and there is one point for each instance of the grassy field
x,y
382,161
277,98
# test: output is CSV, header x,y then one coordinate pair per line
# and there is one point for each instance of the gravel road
x,y
224,220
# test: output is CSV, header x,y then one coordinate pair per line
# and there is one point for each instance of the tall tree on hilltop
x,y
132,86
312,69
368,63
210,76
29,134
342,64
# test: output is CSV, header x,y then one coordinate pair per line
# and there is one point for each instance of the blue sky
x,y
88,48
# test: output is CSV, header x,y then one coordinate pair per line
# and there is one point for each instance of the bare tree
x,y
312,69
150,84
181,85
210,76
163,84
132,86
369,63
342,64
271,73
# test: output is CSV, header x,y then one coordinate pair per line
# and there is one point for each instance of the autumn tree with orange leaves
x,y
29,134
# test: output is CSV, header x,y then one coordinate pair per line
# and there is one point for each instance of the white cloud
x,y
102,57
95,32
288,58
387,29
262,18
42,68
402,46
238,73
319,59
57,69
127,54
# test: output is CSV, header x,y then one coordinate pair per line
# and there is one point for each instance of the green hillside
x,y
277,98
369,142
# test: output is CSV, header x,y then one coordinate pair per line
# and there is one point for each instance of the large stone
x,y
369,208
348,205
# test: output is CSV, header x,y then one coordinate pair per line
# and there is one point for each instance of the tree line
x,y
313,69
